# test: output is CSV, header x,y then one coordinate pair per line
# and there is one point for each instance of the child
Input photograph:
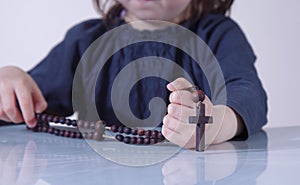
x,y
48,86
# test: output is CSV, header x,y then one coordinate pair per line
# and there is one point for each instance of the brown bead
x,y
68,122
154,134
78,135
198,96
160,137
40,128
127,139
80,123
99,127
121,129
153,141
148,133
140,140
61,133
119,137
49,118
134,131
114,128
90,135
56,132
55,119
72,134
50,130
97,136
92,125
67,133
86,124
133,140
141,132
127,130
62,120
147,141
45,129
44,117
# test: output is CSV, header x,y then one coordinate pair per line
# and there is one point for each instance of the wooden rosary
x,y
95,130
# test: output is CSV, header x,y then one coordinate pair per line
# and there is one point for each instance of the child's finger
x,y
3,116
179,84
9,107
39,101
171,123
26,104
182,97
181,113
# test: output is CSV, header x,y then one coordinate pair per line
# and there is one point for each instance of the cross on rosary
x,y
200,119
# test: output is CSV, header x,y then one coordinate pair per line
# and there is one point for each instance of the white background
x,y
29,29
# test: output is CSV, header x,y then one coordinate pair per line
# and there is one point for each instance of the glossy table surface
x,y
269,157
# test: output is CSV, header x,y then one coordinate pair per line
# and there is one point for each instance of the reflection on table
x,y
40,158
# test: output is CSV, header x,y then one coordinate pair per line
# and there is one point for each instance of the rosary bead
x,y
160,136
84,135
134,131
78,135
44,117
141,132
61,133
114,128
97,136
49,118
39,129
38,116
127,130
148,133
154,134
68,122
74,123
72,134
67,133
45,129
92,125
50,130
197,96
133,140
90,135
121,129
127,139
99,127
140,140
119,137
153,141
55,119
86,124
56,132
62,120
80,123
147,141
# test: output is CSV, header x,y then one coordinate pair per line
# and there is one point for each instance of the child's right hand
x,y
17,87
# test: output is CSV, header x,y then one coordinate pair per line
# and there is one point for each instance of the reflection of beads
x,y
95,130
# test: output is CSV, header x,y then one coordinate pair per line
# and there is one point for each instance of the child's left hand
x,y
176,127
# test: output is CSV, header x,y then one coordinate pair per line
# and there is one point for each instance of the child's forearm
x,y
232,124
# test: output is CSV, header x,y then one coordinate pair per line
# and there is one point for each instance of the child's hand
x,y
177,129
16,86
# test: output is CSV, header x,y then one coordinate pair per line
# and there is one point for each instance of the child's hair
x,y
111,10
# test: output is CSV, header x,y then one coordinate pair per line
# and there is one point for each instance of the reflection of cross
x,y
200,119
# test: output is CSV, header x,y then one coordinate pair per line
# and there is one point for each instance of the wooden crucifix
x,y
200,119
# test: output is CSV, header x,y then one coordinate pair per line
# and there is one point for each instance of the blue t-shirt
x,y
55,74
